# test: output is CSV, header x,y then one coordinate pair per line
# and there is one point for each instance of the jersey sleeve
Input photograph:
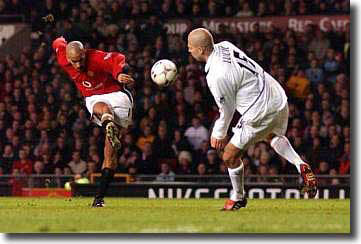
x,y
225,100
113,63
59,46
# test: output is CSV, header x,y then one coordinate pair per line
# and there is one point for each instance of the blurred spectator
x,y
77,165
314,73
273,171
184,165
212,162
147,162
38,180
23,165
180,143
162,146
166,174
245,11
345,160
196,134
323,169
331,66
91,168
202,173
200,155
334,181
319,44
132,171
298,85
263,170
7,159
41,114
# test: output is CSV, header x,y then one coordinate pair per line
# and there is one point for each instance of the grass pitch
x,y
135,215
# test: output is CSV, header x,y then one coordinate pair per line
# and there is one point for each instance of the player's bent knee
x,y
101,108
229,159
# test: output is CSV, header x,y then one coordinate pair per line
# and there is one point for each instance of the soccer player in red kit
x,y
101,79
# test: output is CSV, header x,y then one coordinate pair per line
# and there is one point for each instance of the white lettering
x,y
250,26
170,28
188,193
181,28
326,194
219,191
179,193
151,193
239,27
161,193
294,192
341,194
304,24
211,25
254,191
292,24
176,28
273,192
265,25
322,24
199,191
170,193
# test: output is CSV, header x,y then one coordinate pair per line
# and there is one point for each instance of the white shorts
x,y
121,103
246,133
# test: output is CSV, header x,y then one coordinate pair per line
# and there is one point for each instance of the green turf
x,y
129,215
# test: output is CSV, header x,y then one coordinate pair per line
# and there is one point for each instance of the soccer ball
x,y
164,72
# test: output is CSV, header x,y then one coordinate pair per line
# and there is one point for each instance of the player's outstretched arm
x,y
114,63
125,78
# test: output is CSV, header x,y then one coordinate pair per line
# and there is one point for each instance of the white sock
x,y
284,148
237,181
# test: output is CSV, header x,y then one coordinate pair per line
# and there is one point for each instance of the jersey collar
x,y
209,61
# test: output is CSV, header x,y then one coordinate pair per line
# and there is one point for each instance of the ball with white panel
x,y
164,72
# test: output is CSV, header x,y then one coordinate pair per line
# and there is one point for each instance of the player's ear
x,y
83,53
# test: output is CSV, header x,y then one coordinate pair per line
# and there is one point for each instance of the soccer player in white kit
x,y
239,83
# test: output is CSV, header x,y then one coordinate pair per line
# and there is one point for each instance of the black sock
x,y
107,177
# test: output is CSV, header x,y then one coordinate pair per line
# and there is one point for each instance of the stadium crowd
x,y
116,10
45,127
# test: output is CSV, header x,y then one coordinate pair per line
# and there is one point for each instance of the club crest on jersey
x,y
222,100
90,73
87,84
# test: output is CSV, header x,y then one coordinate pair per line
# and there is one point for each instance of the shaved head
x,y
201,37
75,54
74,48
200,44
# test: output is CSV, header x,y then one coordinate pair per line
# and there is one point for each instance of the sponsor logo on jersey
x,y
107,56
87,84
222,100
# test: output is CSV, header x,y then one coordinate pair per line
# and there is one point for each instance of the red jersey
x,y
102,69
26,167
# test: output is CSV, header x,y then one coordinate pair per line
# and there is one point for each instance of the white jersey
x,y
239,83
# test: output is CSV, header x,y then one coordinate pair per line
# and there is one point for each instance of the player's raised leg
x,y
103,111
235,170
112,144
283,147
